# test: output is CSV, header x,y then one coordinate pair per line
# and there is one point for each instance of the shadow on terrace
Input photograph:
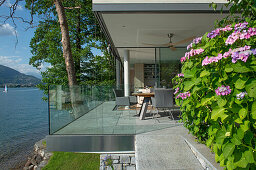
x,y
88,110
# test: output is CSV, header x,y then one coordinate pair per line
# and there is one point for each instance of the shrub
x,y
217,93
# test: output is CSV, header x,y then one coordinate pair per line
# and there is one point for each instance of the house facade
x,y
147,38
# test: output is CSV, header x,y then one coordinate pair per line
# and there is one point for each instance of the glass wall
x,y
168,65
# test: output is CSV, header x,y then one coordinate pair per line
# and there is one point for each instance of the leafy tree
x,y
84,35
238,11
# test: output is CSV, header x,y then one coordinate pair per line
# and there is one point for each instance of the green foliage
x,y
78,161
238,11
225,123
85,36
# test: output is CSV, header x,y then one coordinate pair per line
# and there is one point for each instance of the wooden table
x,y
144,107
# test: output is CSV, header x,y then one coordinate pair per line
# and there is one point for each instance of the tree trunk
x,y
67,54
78,44
75,91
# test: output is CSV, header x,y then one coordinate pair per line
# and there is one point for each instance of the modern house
x,y
148,38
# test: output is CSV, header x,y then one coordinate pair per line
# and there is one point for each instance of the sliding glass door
x,y
167,65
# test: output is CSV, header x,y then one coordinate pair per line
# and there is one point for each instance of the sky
x,y
17,57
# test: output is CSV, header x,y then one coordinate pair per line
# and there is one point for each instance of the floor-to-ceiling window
x,y
168,65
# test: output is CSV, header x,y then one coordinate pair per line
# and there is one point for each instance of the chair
x,y
123,101
163,99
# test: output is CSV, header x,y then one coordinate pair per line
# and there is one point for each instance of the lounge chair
x,y
121,100
163,99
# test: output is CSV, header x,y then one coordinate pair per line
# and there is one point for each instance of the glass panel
x,y
169,64
90,110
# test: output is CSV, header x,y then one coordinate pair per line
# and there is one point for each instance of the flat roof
x,y
159,1
155,5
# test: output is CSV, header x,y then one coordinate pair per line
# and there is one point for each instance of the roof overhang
x,y
141,23
155,5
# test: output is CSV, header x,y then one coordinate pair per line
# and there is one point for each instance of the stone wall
x,y
119,161
40,157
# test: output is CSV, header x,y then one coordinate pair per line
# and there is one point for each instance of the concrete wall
x,y
159,1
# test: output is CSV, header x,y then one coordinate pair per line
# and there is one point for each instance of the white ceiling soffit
x,y
159,1
142,29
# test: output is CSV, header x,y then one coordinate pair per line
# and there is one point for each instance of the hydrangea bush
x,y
217,93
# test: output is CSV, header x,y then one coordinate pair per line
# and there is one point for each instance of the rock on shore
x,y
39,158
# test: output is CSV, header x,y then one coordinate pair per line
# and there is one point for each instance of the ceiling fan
x,y
172,45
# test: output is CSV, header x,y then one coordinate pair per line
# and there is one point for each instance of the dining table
x,y
146,100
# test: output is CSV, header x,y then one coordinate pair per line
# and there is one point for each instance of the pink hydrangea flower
x,y
240,26
240,34
241,95
176,90
210,60
180,75
183,95
182,59
223,90
232,38
227,54
241,53
195,41
193,52
217,32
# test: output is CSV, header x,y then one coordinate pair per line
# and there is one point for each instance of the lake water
x,y
23,121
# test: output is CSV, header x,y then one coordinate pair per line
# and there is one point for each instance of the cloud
x,y
15,62
7,30
8,4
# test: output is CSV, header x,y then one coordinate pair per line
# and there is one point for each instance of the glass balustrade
x,y
88,110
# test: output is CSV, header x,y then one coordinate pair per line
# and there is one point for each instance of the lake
x,y
23,121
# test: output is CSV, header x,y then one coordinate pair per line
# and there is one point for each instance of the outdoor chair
x,y
121,100
163,99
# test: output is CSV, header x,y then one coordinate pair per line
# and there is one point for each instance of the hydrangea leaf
x,y
189,73
249,156
253,112
240,133
228,150
204,73
251,88
242,113
221,102
220,136
219,113
245,125
236,140
242,162
248,137
240,84
228,69
240,68
188,85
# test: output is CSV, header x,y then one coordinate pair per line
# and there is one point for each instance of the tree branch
x,y
77,7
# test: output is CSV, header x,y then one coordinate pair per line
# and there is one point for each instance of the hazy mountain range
x,y
13,77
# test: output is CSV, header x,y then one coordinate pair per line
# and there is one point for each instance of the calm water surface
x,y
23,121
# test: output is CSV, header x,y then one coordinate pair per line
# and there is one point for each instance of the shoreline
x,y
17,161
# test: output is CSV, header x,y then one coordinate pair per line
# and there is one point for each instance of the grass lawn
x,y
73,161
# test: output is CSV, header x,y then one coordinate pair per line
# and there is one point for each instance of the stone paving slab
x,y
164,149
168,149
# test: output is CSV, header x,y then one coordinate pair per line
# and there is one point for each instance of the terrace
x,y
95,115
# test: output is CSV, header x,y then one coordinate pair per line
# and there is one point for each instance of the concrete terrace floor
x,y
102,120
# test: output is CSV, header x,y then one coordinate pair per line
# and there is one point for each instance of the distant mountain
x,y
12,77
